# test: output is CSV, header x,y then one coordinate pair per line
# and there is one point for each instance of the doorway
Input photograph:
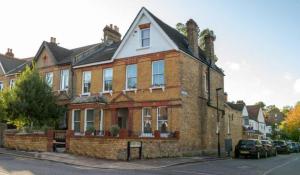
x,y
122,115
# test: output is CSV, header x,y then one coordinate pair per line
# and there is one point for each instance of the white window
x,y
89,119
158,69
101,118
107,79
162,119
11,83
1,86
64,79
131,74
86,83
145,37
49,78
146,122
76,121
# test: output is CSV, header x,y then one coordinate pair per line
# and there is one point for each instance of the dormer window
x,y
145,37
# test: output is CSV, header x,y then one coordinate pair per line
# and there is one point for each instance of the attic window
x,y
145,35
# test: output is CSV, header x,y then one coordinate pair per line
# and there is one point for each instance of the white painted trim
x,y
94,64
152,21
60,86
82,83
2,68
153,87
140,38
101,120
73,112
85,116
157,113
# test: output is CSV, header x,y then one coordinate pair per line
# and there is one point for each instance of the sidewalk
x,y
107,164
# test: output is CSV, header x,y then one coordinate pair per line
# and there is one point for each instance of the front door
x,y
123,117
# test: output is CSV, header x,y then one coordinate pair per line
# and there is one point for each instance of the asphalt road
x,y
282,164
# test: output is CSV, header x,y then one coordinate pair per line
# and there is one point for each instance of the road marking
x,y
193,172
279,166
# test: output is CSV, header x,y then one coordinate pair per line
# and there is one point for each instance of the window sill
x,y
129,90
107,92
157,87
143,48
149,135
85,94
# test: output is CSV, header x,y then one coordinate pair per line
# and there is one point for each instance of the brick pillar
x,y
157,134
130,120
50,136
114,117
69,134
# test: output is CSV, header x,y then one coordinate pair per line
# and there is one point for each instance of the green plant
x,y
114,130
90,129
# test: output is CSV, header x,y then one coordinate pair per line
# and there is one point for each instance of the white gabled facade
x,y
131,43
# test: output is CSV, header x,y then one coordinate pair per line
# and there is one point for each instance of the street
x,y
282,164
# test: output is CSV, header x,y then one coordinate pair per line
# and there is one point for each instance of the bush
x,y
90,129
114,130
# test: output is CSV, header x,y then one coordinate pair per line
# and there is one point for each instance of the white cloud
x,y
287,76
297,86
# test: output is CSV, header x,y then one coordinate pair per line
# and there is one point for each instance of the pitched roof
x,y
61,54
236,106
21,67
253,111
182,42
9,64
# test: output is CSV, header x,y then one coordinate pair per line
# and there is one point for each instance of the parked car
x,y
250,147
281,146
294,147
269,147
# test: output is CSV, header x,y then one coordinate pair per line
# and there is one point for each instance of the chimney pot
x,y
111,34
9,53
53,40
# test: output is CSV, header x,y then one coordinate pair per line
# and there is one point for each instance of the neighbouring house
x,y
257,121
273,120
233,122
154,83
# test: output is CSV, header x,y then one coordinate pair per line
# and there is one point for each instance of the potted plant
x,y
90,131
114,130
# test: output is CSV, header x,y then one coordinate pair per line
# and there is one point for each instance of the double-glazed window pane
x,y
162,119
147,120
76,121
145,37
49,78
89,118
131,72
86,82
107,80
64,79
158,73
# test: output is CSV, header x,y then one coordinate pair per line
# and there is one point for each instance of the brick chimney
x,y
225,97
207,38
192,36
240,102
53,40
9,53
111,33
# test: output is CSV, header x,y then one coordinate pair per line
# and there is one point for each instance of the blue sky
x,y
257,44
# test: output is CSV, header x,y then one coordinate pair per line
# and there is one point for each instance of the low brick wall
x,y
116,148
27,142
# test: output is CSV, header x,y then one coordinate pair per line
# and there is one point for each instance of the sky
x,y
258,42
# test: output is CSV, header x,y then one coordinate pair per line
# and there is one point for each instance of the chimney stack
x,y
192,36
207,38
9,53
53,40
240,102
111,33
225,97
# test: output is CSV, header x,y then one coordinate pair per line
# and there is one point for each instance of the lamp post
x,y
218,122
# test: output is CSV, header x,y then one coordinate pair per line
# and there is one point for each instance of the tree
x,y
291,124
261,104
181,28
31,101
286,109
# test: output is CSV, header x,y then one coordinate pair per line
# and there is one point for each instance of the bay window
x,y
76,121
89,119
146,121
162,119
64,79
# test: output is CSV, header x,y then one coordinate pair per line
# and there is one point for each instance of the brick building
x,y
154,79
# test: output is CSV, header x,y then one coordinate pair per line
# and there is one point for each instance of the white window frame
x,y
157,114
63,86
141,38
47,74
162,85
73,115
1,86
101,117
85,118
103,80
143,133
12,83
83,81
128,89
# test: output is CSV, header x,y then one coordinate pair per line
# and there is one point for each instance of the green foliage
x,y
261,104
272,109
181,28
31,101
90,129
206,33
114,130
